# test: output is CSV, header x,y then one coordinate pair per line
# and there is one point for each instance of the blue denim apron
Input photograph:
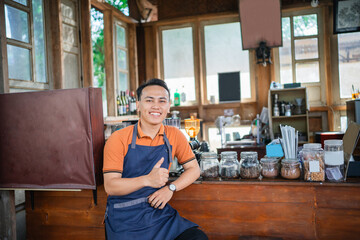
x,y
131,216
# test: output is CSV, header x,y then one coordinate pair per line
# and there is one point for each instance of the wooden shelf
x,y
299,122
289,117
113,120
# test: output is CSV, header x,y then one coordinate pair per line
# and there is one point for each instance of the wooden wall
x,y
279,209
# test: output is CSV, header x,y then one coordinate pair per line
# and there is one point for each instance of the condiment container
x,y
229,165
334,160
290,168
209,165
249,165
312,156
269,167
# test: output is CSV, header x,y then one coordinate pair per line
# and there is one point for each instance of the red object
x,y
320,137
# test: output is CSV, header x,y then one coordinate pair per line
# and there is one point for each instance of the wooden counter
x,y
277,209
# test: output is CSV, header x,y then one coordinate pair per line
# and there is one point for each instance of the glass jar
x,y
312,156
209,165
334,160
269,167
290,168
249,165
229,165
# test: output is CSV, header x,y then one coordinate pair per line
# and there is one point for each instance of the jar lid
x,y
333,142
269,160
290,161
312,145
209,155
229,154
248,154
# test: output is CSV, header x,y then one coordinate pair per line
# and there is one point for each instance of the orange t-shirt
x,y
117,146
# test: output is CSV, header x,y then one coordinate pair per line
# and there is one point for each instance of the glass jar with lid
x,y
290,168
270,167
334,160
312,156
249,165
229,165
209,165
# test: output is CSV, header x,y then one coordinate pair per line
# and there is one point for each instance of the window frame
x,y
321,51
16,85
192,25
198,24
118,22
337,100
252,66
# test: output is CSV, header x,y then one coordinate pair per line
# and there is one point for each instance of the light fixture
x,y
314,3
263,54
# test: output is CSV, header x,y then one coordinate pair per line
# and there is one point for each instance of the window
x,y
349,63
97,37
223,53
178,63
121,53
300,57
26,45
215,45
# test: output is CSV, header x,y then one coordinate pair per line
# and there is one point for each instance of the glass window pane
x,y
121,59
349,62
97,37
16,24
306,48
122,82
18,63
223,53
285,53
39,41
120,36
305,25
178,59
307,72
23,2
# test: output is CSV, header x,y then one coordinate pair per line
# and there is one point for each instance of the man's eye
x,y
148,100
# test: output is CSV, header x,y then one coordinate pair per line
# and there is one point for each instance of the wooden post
x,y
57,47
109,63
7,215
85,7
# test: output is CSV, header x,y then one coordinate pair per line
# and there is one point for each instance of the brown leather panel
x,y
46,139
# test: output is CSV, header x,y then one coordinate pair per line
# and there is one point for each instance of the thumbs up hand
x,y
158,176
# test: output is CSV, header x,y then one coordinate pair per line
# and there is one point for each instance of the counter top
x,y
350,182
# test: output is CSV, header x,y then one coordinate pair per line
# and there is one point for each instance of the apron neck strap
x,y
134,136
166,140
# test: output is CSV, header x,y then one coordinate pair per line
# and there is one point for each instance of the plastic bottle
x,y
176,98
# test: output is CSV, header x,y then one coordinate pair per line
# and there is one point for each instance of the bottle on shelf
x,y
176,98
133,103
123,103
118,105
127,101
183,95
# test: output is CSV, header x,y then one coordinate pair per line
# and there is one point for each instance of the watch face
x,y
172,187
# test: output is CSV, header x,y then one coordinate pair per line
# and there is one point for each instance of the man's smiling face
x,y
154,104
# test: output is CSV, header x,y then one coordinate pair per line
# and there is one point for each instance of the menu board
x,y
51,139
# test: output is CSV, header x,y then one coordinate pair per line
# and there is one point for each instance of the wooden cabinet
x,y
299,118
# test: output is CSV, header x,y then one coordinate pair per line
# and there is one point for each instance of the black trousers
x,y
192,234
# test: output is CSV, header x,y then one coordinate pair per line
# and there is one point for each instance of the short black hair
x,y
154,81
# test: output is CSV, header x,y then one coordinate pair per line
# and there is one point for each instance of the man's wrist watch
x,y
172,187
